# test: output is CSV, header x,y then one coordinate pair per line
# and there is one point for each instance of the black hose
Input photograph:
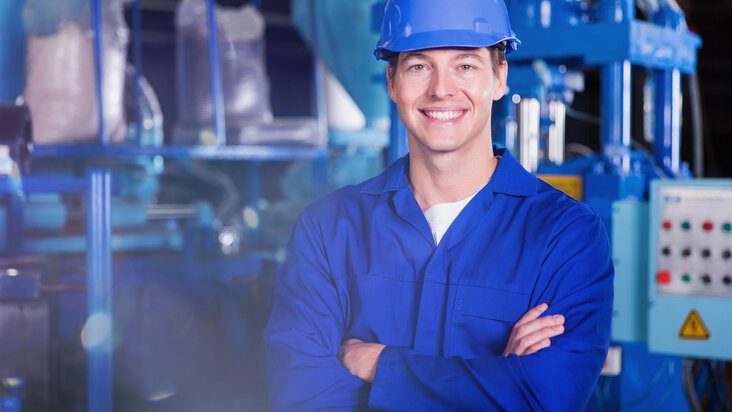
x,y
696,124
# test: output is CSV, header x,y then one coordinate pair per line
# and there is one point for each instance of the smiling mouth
x,y
443,115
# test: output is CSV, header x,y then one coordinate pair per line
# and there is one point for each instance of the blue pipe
x,y
616,110
217,96
98,329
96,15
15,234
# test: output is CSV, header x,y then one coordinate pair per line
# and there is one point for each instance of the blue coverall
x,y
362,263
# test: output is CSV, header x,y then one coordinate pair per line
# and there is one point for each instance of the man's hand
x,y
531,333
360,358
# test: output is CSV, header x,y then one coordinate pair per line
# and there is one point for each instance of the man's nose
x,y
442,84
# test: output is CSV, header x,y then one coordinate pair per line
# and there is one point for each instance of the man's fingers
x,y
526,329
532,314
542,334
544,343
537,338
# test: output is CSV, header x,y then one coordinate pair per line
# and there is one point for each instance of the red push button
x,y
666,225
708,226
663,277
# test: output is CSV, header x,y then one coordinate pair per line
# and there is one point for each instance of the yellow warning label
x,y
693,327
569,184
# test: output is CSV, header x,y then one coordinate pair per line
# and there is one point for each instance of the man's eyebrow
x,y
469,55
413,55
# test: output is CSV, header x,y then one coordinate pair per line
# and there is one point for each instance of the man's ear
x,y
501,85
390,82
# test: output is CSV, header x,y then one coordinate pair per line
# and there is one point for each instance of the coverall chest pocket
x,y
483,318
383,309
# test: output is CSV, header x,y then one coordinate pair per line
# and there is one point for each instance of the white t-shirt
x,y
441,216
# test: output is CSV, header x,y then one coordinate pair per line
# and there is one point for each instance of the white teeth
x,y
443,115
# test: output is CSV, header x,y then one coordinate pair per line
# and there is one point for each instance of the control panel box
x,y
690,261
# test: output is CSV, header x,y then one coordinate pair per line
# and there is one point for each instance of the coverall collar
x,y
509,178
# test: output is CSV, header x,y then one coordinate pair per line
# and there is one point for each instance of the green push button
x,y
727,227
686,278
686,225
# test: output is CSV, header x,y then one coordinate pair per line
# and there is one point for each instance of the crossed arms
x,y
312,365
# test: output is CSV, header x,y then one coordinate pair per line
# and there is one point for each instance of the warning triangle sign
x,y
694,327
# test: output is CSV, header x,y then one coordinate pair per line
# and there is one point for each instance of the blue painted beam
x,y
97,336
184,152
595,44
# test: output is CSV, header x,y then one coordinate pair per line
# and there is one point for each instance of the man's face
x,y
444,97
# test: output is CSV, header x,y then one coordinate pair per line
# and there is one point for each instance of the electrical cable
x,y
716,384
582,116
580,149
725,402
689,388
667,391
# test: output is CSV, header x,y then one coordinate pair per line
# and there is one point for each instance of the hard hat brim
x,y
445,38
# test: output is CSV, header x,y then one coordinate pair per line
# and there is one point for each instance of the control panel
x,y
690,264
694,250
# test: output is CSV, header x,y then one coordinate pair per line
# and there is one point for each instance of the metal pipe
x,y
529,132
556,138
616,10
98,328
697,124
667,128
96,16
137,59
154,212
616,109
217,96
318,74
171,211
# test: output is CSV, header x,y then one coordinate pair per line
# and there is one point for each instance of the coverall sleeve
x,y
305,330
576,279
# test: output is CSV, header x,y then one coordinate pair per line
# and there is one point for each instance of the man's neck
x,y
449,177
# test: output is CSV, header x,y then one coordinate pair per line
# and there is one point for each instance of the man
x,y
413,290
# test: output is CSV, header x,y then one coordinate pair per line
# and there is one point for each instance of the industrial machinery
x,y
665,276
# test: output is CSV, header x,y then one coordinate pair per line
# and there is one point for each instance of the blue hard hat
x,y
426,24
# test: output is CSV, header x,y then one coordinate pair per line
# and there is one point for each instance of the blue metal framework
x,y
614,40
98,181
261,153
99,290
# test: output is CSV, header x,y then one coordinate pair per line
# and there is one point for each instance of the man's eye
x,y
417,67
466,67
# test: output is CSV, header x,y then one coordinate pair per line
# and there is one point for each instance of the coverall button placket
x,y
436,290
